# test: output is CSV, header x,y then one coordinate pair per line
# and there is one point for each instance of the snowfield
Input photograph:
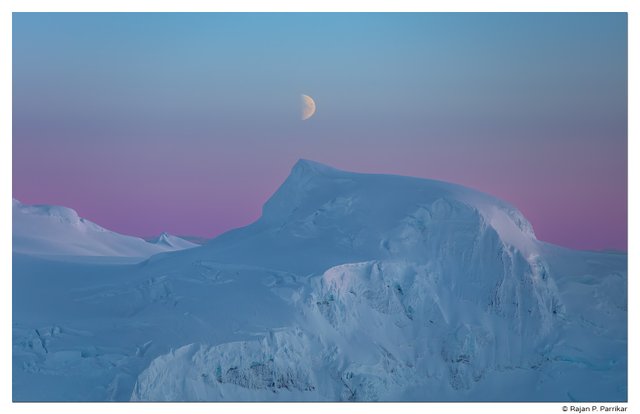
x,y
44,230
350,287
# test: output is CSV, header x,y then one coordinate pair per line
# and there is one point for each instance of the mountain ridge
x,y
42,229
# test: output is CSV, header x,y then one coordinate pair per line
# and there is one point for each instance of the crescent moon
x,y
308,107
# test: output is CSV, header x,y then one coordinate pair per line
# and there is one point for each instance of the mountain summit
x,y
172,242
329,217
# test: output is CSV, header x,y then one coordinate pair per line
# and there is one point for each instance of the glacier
x,y
349,287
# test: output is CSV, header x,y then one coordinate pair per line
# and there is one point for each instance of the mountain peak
x,y
304,167
163,238
171,241
369,216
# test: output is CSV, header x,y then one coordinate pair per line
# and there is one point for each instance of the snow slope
x,y
55,230
352,287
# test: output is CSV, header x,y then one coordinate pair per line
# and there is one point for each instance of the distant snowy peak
x,y
163,238
56,230
173,242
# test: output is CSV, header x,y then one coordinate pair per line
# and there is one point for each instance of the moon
x,y
308,107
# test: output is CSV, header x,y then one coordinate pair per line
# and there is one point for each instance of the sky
x,y
187,123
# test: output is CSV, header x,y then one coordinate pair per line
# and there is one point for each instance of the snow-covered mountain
x,y
55,230
330,217
350,286
172,242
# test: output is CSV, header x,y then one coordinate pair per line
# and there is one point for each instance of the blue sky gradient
x,y
181,122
